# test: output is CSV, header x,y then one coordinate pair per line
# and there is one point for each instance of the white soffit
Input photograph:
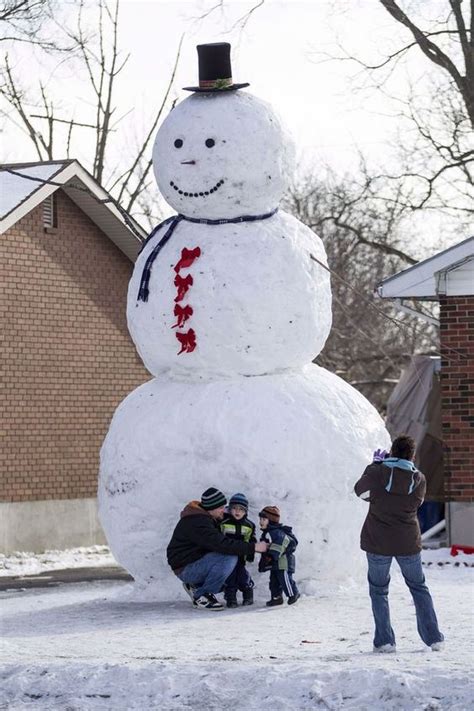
x,y
421,280
458,279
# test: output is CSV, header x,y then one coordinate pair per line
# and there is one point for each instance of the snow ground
x,y
89,646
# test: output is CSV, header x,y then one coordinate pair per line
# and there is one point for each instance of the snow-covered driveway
x,y
84,646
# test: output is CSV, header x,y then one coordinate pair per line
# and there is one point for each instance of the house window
x,y
50,212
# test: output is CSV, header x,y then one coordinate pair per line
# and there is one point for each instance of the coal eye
x,y
178,143
210,142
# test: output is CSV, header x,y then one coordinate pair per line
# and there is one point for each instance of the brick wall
x,y
67,359
457,383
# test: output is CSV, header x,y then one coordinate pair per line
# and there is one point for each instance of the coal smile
x,y
204,193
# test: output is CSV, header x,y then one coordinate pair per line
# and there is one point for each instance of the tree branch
x,y
134,194
433,52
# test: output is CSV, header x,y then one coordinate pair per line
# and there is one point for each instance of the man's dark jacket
x,y
196,534
391,526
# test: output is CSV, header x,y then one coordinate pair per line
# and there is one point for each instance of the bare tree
x,y
369,342
243,19
31,22
99,58
436,138
457,23
21,19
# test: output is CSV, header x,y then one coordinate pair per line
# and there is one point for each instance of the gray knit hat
x,y
212,499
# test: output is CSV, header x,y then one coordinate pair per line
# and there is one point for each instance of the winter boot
x,y
293,598
275,601
247,595
231,599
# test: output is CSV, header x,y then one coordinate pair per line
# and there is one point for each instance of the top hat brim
x,y
199,90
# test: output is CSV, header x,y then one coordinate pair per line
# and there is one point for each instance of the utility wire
x,y
82,189
399,324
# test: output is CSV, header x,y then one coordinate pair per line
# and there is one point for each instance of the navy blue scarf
x,y
172,223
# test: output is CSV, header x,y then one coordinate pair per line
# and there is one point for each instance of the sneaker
x,y
437,646
190,589
385,649
293,598
208,602
247,597
275,601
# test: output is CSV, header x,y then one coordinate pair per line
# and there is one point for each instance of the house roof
x,y
23,187
425,280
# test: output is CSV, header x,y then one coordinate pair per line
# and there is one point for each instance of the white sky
x,y
279,53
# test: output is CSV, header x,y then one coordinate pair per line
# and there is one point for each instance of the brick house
x,y
448,278
67,358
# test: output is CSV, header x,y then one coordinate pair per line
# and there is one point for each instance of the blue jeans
x,y
379,579
209,573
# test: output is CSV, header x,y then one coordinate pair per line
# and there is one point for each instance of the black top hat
x,y
215,71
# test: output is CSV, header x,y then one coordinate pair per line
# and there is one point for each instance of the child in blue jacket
x,y
280,557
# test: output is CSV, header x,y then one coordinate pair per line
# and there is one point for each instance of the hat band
x,y
215,83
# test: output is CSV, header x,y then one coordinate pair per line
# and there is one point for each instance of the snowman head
x,y
223,155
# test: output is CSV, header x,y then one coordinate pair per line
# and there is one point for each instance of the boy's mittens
x,y
265,563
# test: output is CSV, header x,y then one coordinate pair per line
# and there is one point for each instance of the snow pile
x,y
228,317
24,563
285,440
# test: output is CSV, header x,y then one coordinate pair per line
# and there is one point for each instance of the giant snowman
x,y
228,305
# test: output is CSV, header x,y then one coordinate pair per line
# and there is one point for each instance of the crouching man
x,y
200,555
395,489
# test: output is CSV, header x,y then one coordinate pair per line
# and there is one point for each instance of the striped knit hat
x,y
271,512
239,500
212,499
